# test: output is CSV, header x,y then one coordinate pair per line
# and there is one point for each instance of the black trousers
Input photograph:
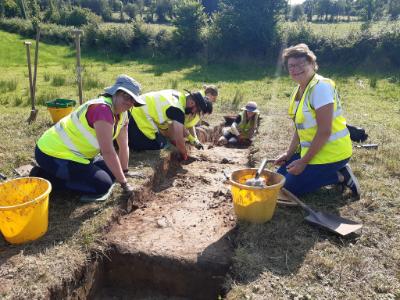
x,y
138,141
93,178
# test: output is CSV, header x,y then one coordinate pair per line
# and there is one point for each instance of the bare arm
x,y
123,152
104,132
177,135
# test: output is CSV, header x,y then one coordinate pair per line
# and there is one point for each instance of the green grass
x,y
343,29
13,46
8,85
284,258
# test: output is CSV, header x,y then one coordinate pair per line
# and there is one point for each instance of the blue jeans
x,y
93,178
312,178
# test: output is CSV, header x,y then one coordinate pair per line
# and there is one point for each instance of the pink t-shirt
x,y
97,112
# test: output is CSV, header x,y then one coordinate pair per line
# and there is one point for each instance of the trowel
x,y
257,181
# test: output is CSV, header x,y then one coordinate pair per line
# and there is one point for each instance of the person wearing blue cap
x,y
164,116
68,152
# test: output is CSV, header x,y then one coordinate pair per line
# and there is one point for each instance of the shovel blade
x,y
333,223
32,116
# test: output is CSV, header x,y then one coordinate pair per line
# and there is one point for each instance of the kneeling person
x,y
68,152
243,128
163,115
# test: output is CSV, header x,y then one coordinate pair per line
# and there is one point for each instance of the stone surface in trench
x,y
180,243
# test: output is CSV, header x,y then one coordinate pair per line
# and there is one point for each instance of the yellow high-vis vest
x,y
246,125
338,147
153,116
72,138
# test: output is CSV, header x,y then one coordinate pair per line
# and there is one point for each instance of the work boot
x,y
350,180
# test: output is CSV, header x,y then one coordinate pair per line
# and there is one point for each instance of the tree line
x,y
336,10
206,29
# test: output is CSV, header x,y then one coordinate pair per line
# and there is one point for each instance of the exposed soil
x,y
180,243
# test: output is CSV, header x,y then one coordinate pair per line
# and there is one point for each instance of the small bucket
x,y
251,203
59,108
24,204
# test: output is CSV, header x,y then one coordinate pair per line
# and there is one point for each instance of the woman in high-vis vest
x,y
163,115
243,128
320,148
68,152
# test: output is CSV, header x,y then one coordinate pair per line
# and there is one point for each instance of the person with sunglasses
x,y
320,148
68,154
164,117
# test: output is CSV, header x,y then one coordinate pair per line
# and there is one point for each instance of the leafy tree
x,y
140,7
131,10
394,9
323,9
163,8
367,9
189,21
297,12
248,26
210,6
309,9
10,9
52,14
78,16
33,8
99,7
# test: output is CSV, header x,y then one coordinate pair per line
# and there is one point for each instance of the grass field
x,y
284,258
343,29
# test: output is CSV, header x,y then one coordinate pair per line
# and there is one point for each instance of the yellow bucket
x,y
58,113
251,203
24,204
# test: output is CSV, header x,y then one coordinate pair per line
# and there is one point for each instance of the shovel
x,y
327,221
257,181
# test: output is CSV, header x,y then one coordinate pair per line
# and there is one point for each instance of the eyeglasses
x,y
128,98
298,66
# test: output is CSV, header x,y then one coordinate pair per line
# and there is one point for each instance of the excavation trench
x,y
179,246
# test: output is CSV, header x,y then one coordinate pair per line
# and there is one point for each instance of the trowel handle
x,y
261,168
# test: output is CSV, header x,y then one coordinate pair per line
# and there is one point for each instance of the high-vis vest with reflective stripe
x,y
72,138
246,125
191,121
153,116
338,147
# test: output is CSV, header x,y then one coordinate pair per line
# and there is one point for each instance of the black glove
x,y
199,146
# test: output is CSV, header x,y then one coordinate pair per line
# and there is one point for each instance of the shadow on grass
x,y
281,245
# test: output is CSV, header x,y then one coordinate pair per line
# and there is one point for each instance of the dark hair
x,y
209,107
106,95
199,99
